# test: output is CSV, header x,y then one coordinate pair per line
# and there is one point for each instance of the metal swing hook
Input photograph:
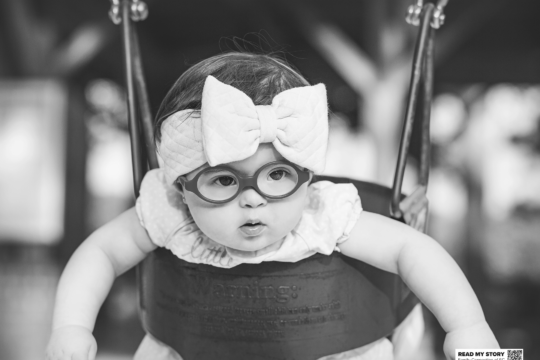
x,y
438,17
138,11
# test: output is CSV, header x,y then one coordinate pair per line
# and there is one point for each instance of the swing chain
x,y
414,12
438,14
138,11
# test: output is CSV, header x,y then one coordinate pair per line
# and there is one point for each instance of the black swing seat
x,y
319,306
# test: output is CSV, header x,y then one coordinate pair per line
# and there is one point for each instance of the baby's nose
x,y
252,199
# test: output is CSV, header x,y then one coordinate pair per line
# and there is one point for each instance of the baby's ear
x,y
175,196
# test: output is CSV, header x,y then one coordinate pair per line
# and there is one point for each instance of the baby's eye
x,y
277,174
225,180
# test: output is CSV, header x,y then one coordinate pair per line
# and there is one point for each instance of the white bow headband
x,y
230,128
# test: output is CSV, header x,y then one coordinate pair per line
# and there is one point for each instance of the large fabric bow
x,y
230,128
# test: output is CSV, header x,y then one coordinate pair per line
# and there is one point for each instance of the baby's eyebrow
x,y
225,168
211,169
243,172
238,171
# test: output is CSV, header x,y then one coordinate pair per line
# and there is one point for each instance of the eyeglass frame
x,y
243,182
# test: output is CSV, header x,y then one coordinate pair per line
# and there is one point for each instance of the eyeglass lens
x,y
272,180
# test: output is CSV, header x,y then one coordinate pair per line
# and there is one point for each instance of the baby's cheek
x,y
215,224
290,213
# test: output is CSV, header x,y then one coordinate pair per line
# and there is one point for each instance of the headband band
x,y
230,128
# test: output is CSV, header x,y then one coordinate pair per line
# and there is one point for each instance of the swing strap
x,y
143,152
429,17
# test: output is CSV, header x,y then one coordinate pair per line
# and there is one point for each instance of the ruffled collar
x,y
330,213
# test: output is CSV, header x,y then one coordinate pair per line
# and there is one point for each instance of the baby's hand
x,y
414,208
477,336
71,343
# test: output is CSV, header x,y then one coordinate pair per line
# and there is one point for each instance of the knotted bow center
x,y
268,120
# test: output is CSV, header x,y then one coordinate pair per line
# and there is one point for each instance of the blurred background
x,y
65,165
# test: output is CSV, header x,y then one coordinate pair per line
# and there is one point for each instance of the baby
x,y
240,137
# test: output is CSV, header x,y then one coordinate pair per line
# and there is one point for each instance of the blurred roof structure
x,y
482,40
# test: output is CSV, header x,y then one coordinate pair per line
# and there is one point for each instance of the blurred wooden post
x,y
33,50
75,208
380,80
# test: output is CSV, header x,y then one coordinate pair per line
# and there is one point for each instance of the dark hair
x,y
259,76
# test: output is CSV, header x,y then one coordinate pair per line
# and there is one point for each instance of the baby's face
x,y
250,224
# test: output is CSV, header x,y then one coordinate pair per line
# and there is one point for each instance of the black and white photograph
x,y
269,180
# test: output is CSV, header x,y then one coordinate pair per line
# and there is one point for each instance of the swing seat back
x,y
319,306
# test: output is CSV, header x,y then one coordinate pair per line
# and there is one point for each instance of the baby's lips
x,y
253,222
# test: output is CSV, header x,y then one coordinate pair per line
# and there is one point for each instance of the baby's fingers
x,y
90,354
417,196
419,211
79,357
414,208
420,220
71,342
87,354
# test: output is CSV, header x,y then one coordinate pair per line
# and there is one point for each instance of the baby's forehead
x,y
266,153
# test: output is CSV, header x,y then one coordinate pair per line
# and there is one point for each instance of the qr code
x,y
515,355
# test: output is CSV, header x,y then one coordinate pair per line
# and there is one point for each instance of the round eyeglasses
x,y
220,184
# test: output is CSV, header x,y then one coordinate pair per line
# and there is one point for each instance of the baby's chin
x,y
251,253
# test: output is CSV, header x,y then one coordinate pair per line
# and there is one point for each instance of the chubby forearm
x,y
90,273
428,270
83,287
431,273
441,285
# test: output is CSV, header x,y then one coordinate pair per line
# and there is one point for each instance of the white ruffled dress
x,y
329,216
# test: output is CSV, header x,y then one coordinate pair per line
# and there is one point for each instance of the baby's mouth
x,y
253,227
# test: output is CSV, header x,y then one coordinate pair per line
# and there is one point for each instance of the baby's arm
x,y
108,252
429,271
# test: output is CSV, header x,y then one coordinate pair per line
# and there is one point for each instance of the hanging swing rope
x,y
124,12
428,17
